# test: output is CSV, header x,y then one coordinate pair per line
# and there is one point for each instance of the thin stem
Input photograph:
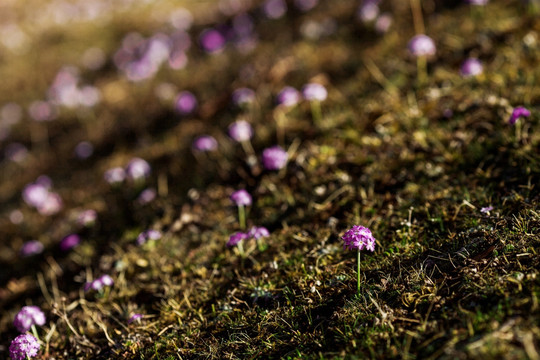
x,y
242,216
421,69
280,126
358,271
316,112
418,19
34,332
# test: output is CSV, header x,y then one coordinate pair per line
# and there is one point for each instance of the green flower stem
x,y
34,332
358,271
316,112
421,66
242,216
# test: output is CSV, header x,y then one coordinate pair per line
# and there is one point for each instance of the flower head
x,y
422,45
32,247
212,41
138,169
288,96
205,143
240,131
258,232
69,242
241,198
135,317
518,112
471,67
486,209
87,218
186,103
314,92
235,238
148,235
358,237
99,283
243,96
23,347
115,175
28,316
274,158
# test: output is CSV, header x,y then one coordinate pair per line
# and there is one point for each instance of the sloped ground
x,y
414,161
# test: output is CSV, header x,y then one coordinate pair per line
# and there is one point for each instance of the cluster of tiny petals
x,y
358,238
422,45
256,232
241,198
28,316
518,112
23,347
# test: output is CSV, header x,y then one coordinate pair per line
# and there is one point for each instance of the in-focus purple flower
x,y
87,218
69,242
212,41
274,158
518,112
115,175
240,131
205,143
185,103
135,317
235,238
305,5
148,235
138,169
422,45
243,96
471,67
358,238
146,196
84,150
24,347
32,247
28,316
314,92
288,96
241,198
274,9
258,232
486,210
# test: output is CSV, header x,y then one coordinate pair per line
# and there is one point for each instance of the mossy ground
x,y
415,162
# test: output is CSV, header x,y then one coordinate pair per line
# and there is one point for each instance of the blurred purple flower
x,y
243,96
115,175
368,11
477,2
240,131
358,238
274,158
422,45
135,317
205,143
138,169
288,96
486,210
148,235
52,204
471,67
84,150
383,23
24,347
305,5
274,9
69,242
235,238
41,111
87,218
212,41
28,316
314,92
16,152
518,112
258,232
146,196
185,103
32,247
99,283
35,194
241,198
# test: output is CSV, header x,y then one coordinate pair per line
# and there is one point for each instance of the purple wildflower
x,y
51,205
274,158
115,175
28,316
84,150
518,112
236,238
383,23
146,196
240,131
135,317
35,194
314,92
258,232
87,218
99,283
23,347
360,238
422,45
69,242
32,247
243,96
205,143
138,169
368,11
305,5
241,198
185,103
486,210
471,67
148,235
288,96
477,2
212,41
274,9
